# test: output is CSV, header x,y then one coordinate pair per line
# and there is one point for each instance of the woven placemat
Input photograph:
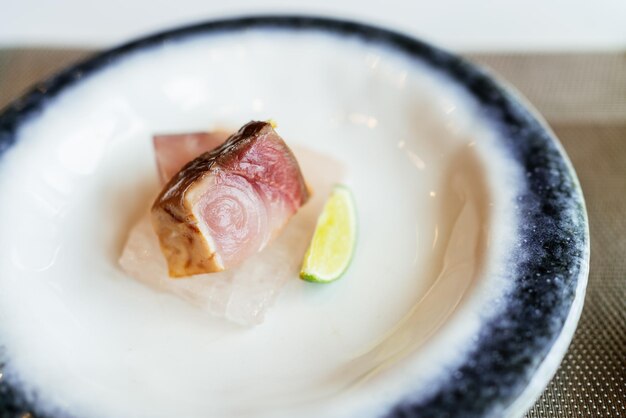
x,y
583,97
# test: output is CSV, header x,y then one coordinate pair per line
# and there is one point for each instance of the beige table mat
x,y
583,97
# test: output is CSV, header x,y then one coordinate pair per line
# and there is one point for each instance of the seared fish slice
x,y
227,204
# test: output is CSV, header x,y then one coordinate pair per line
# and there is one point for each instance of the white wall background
x,y
485,25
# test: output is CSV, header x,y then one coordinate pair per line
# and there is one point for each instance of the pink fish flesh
x,y
229,203
173,151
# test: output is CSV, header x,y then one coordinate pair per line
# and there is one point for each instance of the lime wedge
x,y
332,245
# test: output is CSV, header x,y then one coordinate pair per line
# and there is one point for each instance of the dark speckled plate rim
x,y
553,239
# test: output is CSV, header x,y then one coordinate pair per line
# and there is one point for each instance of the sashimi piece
x,y
229,203
242,294
173,151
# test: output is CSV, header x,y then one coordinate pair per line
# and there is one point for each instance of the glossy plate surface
x,y
470,268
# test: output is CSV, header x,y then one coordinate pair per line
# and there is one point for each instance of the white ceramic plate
x,y
470,266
